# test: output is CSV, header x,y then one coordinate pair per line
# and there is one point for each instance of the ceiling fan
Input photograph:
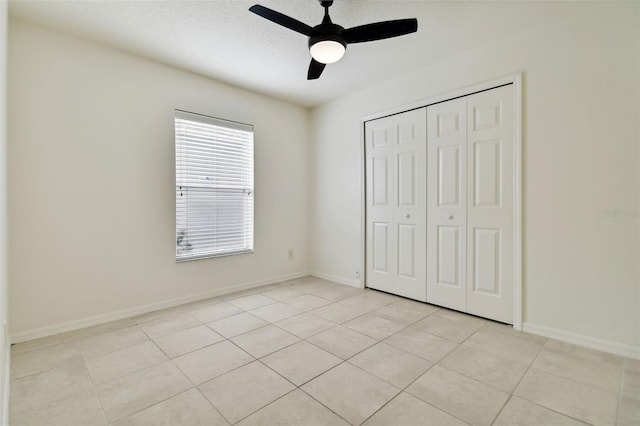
x,y
328,41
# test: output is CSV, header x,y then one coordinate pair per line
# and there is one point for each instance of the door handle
x,y
450,217
407,215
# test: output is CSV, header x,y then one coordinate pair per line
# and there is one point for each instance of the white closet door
x,y
490,204
380,139
446,204
396,204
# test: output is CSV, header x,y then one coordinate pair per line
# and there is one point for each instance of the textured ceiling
x,y
221,39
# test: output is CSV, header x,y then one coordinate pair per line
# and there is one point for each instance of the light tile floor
x,y
311,352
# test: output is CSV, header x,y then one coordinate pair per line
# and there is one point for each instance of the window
x,y
214,187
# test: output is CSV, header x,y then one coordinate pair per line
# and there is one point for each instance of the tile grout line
x,y
164,399
95,391
208,324
260,408
497,355
598,388
344,359
414,396
321,403
511,394
209,402
146,408
401,390
295,388
542,406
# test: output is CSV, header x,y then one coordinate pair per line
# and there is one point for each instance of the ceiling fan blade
x,y
280,19
380,30
315,69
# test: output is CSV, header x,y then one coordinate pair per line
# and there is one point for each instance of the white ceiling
x,y
221,39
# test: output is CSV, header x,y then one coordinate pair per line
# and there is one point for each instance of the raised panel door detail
x,y
448,254
379,138
486,261
487,117
490,202
406,179
446,203
380,246
406,133
395,216
379,181
487,166
406,250
448,123
449,176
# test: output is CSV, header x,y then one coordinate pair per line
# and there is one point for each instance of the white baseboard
x,y
337,279
616,348
78,324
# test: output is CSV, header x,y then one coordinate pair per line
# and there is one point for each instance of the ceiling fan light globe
x,y
327,51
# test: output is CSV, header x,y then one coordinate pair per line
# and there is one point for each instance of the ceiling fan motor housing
x,y
327,32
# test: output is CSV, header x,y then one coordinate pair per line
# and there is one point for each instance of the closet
x,y
439,204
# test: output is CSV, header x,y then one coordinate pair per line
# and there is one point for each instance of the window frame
x,y
247,229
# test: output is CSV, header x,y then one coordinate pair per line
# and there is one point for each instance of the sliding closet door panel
x,y
381,136
411,204
446,203
490,204
396,204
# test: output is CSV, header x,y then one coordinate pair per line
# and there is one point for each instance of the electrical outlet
x,y
290,254
357,273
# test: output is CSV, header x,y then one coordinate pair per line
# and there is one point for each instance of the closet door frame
x,y
516,81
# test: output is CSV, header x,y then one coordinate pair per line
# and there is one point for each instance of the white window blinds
x,y
214,186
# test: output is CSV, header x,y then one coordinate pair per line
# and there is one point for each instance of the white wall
x,y
581,151
91,181
4,347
